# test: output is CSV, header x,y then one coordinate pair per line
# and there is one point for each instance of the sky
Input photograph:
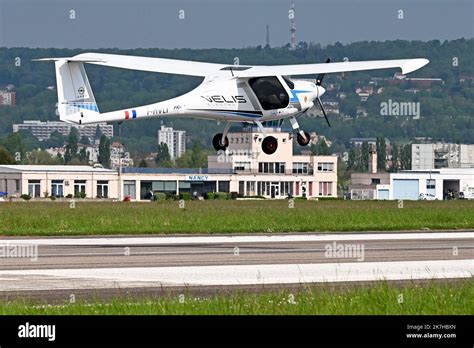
x,y
170,24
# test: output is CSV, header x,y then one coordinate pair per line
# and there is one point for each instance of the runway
x,y
107,263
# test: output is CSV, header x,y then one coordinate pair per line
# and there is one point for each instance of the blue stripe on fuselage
x,y
294,94
237,113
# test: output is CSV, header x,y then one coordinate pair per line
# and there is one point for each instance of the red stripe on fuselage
x,y
127,115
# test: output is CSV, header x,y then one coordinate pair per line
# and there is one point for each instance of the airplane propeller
x,y
319,80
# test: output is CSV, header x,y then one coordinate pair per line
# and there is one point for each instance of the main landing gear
x,y
220,140
269,143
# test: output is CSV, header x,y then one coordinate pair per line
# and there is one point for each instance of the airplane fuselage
x,y
224,99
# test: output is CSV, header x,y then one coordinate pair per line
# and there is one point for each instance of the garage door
x,y
382,194
405,189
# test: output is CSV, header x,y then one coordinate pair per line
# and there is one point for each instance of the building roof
x,y
146,170
463,171
51,168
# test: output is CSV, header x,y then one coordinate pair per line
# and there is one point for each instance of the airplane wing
x,y
160,65
183,67
407,66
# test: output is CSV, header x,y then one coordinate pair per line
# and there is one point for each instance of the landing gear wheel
x,y
301,141
218,143
269,145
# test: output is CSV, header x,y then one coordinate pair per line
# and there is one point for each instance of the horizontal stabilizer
x,y
70,59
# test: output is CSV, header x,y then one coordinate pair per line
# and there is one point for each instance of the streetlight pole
x,y
120,161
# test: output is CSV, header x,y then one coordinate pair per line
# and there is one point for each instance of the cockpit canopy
x,y
270,92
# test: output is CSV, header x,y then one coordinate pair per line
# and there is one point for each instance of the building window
x,y
430,184
325,166
242,166
280,167
224,186
79,188
102,189
271,167
375,181
286,188
300,168
17,185
250,188
57,188
241,188
129,189
34,188
325,188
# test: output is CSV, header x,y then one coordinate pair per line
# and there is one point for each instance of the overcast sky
x,y
226,23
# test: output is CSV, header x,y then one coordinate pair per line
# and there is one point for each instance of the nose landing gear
x,y
302,137
303,141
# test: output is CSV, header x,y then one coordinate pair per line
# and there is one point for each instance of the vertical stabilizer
x,y
75,96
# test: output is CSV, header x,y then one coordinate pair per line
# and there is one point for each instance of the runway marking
x,y
249,250
137,277
160,240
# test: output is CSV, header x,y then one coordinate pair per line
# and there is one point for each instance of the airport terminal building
x,y
242,168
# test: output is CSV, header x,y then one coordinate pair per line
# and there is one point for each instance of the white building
x,y
61,181
279,174
174,139
243,169
438,182
118,154
7,98
43,130
441,155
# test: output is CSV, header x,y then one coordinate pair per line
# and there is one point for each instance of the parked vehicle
x,y
466,195
427,197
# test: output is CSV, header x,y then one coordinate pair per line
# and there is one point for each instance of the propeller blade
x,y
320,77
324,111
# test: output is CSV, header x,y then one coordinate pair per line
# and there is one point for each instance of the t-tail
x,y
75,96
76,100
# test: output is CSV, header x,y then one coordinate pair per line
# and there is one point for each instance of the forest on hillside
x,y
447,110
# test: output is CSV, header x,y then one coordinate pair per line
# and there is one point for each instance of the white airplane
x,y
229,93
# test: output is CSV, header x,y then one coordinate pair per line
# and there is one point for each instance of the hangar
x,y
443,183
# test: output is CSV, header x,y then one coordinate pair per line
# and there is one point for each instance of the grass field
x,y
431,298
53,218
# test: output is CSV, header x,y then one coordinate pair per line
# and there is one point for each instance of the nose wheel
x,y
269,145
219,142
303,141
302,137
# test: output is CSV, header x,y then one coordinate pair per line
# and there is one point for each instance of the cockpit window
x,y
270,92
289,82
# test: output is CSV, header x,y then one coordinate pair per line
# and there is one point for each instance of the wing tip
x,y
414,64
